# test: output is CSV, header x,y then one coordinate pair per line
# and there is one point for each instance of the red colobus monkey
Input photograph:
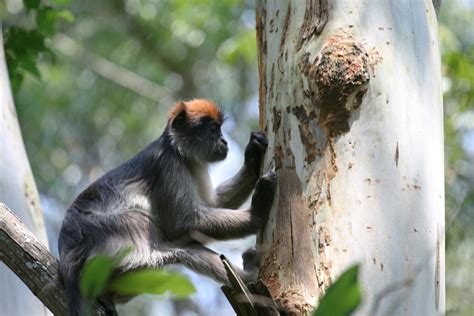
x,y
156,202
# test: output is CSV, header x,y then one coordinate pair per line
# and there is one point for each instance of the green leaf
x,y
46,19
95,276
152,281
30,65
31,4
21,42
34,41
342,297
61,2
16,79
65,15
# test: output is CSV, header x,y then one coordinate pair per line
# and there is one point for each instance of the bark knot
x,y
337,81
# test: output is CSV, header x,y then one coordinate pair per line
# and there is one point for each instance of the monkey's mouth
x,y
220,153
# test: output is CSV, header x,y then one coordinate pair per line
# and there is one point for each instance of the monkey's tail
x,y
69,278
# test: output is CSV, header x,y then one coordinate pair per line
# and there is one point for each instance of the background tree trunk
x,y
351,100
18,191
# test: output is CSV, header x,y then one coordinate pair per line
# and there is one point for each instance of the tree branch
x,y
113,72
32,262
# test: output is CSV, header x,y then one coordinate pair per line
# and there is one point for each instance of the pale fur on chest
x,y
203,183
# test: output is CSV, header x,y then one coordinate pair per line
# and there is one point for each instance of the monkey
x,y
157,202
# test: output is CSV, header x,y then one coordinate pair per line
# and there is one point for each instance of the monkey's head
x,y
195,128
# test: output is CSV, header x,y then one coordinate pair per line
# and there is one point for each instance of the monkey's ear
x,y
178,115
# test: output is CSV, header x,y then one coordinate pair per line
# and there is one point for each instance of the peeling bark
x,y
260,20
315,18
355,172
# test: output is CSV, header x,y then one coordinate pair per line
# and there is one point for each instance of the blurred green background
x,y
93,81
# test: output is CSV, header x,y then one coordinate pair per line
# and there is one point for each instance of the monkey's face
x,y
200,139
210,142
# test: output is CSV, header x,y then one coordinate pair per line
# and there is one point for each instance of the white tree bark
x,y
18,191
350,97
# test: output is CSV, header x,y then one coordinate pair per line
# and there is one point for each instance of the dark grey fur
x,y
160,200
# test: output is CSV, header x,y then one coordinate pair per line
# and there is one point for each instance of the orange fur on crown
x,y
196,108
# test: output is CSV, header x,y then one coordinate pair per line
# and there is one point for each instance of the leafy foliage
x,y
77,124
97,278
152,281
25,42
342,297
31,4
457,48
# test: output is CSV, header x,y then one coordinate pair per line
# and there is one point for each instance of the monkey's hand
x,y
263,196
250,260
255,151
251,263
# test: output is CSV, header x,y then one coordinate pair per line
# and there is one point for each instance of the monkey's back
x,y
116,202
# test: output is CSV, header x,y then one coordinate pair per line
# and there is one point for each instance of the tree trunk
x,y
350,98
18,191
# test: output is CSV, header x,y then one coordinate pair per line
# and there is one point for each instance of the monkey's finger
x,y
259,145
270,167
271,175
260,137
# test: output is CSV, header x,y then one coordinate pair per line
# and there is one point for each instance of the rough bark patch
x,y
260,20
315,18
307,138
278,157
276,120
325,267
331,169
285,268
337,81
286,24
272,83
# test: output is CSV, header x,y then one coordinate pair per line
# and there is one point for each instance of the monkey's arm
x,y
212,223
228,224
224,224
220,223
232,193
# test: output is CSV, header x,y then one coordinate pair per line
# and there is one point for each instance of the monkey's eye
x,y
215,127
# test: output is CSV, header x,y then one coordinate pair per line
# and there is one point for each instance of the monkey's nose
x,y
223,141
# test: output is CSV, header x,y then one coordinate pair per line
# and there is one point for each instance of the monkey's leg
x,y
102,234
204,261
